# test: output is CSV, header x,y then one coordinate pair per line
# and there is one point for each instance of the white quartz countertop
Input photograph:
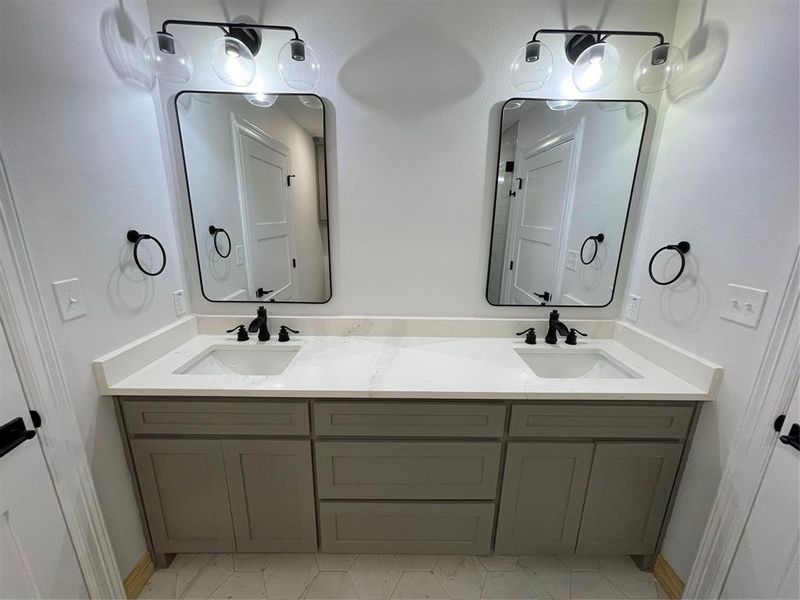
x,y
399,367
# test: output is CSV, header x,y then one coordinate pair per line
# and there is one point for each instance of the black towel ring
x,y
215,231
597,239
135,238
682,248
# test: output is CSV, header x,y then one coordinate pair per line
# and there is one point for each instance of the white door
x,y
37,559
537,225
766,564
267,211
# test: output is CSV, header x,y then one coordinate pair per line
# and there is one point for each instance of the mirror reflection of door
x,y
263,166
540,211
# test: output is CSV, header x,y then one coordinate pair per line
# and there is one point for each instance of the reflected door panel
x,y
539,215
267,202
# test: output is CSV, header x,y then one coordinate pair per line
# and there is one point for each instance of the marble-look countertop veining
x,y
402,367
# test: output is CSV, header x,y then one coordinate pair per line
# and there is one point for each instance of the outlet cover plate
x,y
180,303
744,304
632,308
69,297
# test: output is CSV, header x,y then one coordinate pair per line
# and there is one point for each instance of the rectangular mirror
x,y
256,169
564,182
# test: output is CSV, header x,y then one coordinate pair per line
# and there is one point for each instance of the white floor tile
x,y
241,586
461,576
624,574
419,585
186,568
160,586
546,575
417,562
499,563
506,585
288,575
580,563
335,562
331,585
207,581
375,576
587,585
246,563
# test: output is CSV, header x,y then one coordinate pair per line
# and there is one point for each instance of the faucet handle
x,y
530,335
241,333
572,339
283,334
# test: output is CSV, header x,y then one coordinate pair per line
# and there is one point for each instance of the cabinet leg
x,y
645,562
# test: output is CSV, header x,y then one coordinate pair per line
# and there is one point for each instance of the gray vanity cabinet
x,y
271,491
627,496
185,494
544,487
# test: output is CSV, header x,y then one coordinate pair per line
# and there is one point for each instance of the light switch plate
x,y
69,297
632,308
180,304
744,304
571,263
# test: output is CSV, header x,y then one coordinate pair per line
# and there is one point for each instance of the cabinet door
x,y
272,495
544,485
185,494
627,498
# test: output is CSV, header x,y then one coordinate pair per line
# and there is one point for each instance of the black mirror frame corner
x,y
189,194
627,212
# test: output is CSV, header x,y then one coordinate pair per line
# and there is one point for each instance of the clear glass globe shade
x,y
298,74
167,58
650,78
530,76
596,67
311,102
559,105
232,62
261,100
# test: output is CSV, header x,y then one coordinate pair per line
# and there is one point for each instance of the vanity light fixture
x,y
311,102
595,61
232,55
561,105
261,100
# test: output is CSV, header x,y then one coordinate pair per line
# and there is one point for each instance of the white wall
x,y
414,91
84,162
725,178
505,179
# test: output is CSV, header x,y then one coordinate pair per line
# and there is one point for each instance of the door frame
x,y
574,132
241,126
45,390
747,463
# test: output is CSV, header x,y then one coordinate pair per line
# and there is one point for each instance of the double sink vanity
x,y
372,436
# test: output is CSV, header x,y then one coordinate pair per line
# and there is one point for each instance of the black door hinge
x,y
511,266
294,263
289,180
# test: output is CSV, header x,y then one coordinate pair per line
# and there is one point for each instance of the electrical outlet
x,y
239,255
571,263
180,303
632,308
744,304
69,297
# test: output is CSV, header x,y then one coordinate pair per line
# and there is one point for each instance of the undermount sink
x,y
557,363
245,360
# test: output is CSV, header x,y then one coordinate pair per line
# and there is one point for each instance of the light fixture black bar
x,y
223,24
602,32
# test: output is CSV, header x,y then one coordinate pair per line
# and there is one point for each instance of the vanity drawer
x,y
200,417
599,421
408,419
408,470
406,527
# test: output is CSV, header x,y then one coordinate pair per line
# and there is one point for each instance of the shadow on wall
x,y
413,68
705,52
129,291
685,303
122,43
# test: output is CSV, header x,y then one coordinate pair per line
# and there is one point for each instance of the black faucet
x,y
259,324
555,328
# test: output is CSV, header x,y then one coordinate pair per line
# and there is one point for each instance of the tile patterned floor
x,y
401,577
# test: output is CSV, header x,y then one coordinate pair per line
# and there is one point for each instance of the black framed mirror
x,y
256,171
566,170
